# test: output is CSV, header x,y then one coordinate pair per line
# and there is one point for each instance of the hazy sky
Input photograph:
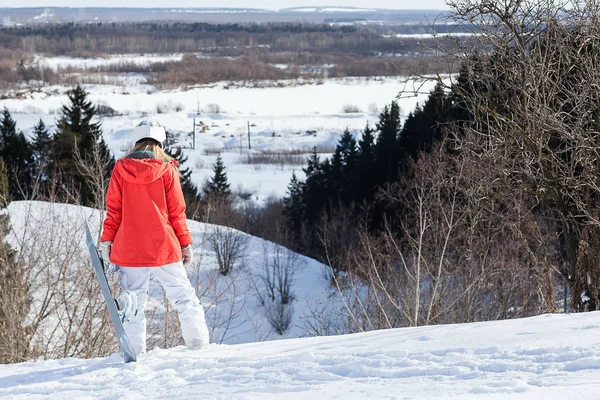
x,y
270,4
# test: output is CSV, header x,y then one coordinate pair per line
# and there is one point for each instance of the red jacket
x,y
146,214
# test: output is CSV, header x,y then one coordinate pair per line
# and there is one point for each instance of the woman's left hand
x,y
188,255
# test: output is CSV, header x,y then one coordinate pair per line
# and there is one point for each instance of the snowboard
x,y
124,344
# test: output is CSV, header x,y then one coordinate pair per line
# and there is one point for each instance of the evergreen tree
x,y
424,126
294,208
387,152
366,146
16,152
190,191
348,158
315,189
218,187
461,93
313,163
41,147
8,127
77,117
346,183
336,179
364,182
348,151
77,129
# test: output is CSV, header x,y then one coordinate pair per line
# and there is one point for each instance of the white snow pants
x,y
179,291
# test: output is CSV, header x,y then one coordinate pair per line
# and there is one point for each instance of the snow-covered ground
x,y
546,357
431,35
330,9
58,63
52,235
283,117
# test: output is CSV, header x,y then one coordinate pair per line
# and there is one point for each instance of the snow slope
x,y
53,237
545,357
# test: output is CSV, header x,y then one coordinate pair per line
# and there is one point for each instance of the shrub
x,y
212,108
350,109
229,246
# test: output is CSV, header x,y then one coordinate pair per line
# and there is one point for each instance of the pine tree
x,y
366,145
77,117
387,152
364,183
190,191
16,152
316,186
336,179
41,147
294,208
75,128
349,158
424,126
348,150
312,164
218,187
8,127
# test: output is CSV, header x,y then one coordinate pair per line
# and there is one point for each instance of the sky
x,y
268,4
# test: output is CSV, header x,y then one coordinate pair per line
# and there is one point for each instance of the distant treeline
x,y
216,52
82,39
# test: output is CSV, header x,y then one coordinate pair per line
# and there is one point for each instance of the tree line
x,y
122,38
349,181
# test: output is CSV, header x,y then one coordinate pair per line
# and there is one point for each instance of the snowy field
x,y
431,35
546,357
61,63
289,117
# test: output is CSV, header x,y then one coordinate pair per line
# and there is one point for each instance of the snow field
x,y
549,357
292,118
58,63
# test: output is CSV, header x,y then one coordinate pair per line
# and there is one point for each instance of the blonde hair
x,y
153,146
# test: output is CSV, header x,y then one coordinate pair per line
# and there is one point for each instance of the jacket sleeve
x,y
114,207
176,208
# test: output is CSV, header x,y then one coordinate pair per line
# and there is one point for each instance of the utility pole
x,y
194,134
249,146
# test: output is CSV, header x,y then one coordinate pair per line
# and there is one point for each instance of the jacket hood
x,y
143,170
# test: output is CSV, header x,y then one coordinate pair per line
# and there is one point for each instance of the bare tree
x,y
93,167
532,101
66,314
229,246
467,249
273,285
14,304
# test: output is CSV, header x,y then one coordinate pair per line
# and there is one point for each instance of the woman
x,y
145,232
